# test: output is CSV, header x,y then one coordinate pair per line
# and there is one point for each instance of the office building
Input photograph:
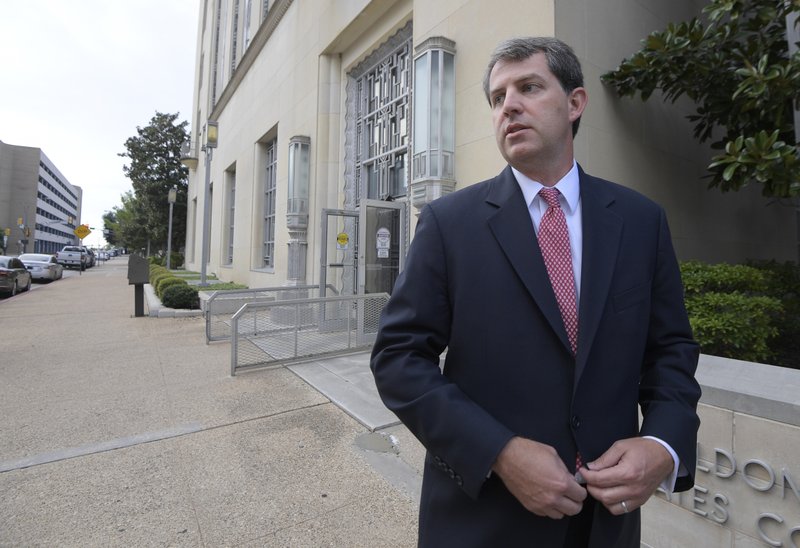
x,y
39,207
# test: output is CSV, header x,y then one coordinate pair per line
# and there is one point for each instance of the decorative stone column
x,y
297,208
433,169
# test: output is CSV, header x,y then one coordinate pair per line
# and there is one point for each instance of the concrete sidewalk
x,y
129,431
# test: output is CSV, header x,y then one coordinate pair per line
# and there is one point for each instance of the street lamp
x,y
171,196
190,161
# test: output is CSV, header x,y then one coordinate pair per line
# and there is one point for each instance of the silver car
x,y
14,276
42,266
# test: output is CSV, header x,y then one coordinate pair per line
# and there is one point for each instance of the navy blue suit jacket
x,y
475,284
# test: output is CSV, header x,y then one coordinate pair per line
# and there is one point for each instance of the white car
x,y
42,266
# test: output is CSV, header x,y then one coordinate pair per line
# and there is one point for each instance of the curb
x,y
156,310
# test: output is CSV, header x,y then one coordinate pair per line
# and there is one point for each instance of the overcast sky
x,y
78,76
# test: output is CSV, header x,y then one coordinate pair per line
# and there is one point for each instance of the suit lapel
x,y
602,229
513,230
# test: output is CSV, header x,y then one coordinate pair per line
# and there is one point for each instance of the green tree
x,y
130,216
735,65
154,168
110,228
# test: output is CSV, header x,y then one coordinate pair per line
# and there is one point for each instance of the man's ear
x,y
577,103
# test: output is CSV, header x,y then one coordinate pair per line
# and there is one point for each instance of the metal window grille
x,y
383,126
270,178
231,215
234,34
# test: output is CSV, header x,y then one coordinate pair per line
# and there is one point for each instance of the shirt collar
x,y
568,186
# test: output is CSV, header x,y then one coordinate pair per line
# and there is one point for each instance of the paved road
x,y
124,431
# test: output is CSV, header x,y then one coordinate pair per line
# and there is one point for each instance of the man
x,y
561,313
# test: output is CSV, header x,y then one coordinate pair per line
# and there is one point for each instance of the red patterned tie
x,y
554,243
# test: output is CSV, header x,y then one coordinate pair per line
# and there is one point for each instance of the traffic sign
x,y
82,231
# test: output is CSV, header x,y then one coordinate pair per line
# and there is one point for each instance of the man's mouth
x,y
513,128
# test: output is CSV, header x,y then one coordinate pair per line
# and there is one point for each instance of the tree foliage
x,y
735,65
110,228
131,230
154,168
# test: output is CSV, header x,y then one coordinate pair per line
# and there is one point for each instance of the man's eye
x,y
497,99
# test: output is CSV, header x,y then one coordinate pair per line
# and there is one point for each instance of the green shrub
x,y
156,271
165,283
180,296
160,280
175,259
734,310
734,325
724,278
785,286
157,277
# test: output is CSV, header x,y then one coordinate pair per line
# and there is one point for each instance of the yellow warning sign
x,y
82,231
342,239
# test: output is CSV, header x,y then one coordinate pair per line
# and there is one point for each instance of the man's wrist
x,y
668,483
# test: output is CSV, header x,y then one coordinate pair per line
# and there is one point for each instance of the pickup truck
x,y
73,256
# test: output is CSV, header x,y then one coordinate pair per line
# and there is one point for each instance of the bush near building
x,y
785,286
180,296
166,283
745,312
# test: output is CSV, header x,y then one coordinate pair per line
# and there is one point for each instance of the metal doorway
x,y
339,251
382,230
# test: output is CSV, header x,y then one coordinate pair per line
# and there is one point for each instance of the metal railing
x,y
268,334
224,304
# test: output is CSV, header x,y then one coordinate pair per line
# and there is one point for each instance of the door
x,y
339,253
381,231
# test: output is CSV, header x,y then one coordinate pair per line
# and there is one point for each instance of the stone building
x,y
337,120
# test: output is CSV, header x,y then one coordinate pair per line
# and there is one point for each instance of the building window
x,y
234,34
270,178
210,218
193,228
248,9
231,214
380,89
215,45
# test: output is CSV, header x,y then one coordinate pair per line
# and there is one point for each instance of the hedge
x,y
180,296
732,310
165,283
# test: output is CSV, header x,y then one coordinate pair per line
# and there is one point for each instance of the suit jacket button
x,y
576,422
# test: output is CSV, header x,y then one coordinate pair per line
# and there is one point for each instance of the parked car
x,y
42,266
14,276
92,259
73,255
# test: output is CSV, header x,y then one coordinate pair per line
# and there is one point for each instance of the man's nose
x,y
511,102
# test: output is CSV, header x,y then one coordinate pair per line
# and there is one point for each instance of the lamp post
x,y
171,196
190,161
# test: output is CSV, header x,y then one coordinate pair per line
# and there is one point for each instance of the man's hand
x,y
537,477
629,472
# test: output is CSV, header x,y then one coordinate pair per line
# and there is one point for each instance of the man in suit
x,y
531,426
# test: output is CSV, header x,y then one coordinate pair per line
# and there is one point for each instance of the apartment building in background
x,y
39,207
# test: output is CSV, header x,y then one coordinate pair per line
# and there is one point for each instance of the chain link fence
x,y
265,334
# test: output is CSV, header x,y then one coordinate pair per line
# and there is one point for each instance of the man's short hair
x,y
561,61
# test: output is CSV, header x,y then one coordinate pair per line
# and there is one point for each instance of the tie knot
x,y
550,196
